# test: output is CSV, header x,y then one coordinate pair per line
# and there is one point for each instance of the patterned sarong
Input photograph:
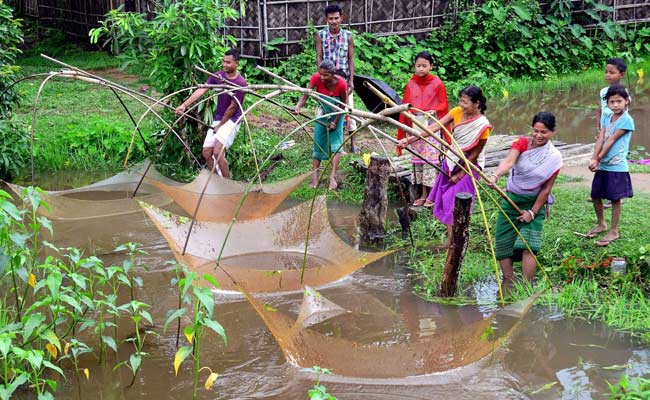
x,y
443,194
327,142
507,241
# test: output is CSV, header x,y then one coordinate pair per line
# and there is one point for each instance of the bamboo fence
x,y
275,28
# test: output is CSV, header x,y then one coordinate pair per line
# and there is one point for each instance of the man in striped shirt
x,y
337,44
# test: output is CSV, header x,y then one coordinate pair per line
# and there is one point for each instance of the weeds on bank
x,y
580,280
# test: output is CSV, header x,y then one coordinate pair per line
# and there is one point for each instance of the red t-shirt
x,y
341,86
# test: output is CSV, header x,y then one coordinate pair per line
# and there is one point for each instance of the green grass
x,y
621,302
590,78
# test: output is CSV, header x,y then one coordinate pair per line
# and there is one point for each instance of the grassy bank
x,y
574,269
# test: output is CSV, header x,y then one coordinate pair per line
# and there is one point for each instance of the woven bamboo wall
x,y
77,17
288,20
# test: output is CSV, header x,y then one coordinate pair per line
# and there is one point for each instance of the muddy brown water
x,y
575,109
579,356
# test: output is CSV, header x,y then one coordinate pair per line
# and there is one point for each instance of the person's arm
x,y
319,50
503,168
351,65
609,143
343,96
593,163
230,111
433,128
194,97
529,215
471,157
301,102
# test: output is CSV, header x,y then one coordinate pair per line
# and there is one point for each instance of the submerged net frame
x,y
281,235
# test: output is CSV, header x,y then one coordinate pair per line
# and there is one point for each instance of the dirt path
x,y
640,182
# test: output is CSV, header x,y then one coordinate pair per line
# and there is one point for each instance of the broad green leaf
x,y
173,315
32,322
180,356
51,337
212,280
53,367
215,326
35,358
206,298
188,331
522,11
135,361
5,345
110,342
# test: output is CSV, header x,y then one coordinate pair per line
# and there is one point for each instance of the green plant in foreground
x,y
319,392
639,389
202,302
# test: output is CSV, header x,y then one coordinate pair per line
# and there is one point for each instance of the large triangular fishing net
x,y
218,198
266,254
326,337
64,208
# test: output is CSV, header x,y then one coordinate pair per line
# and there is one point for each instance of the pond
x,y
577,357
575,109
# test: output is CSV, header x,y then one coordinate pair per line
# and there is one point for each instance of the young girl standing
x,y
426,93
471,130
609,162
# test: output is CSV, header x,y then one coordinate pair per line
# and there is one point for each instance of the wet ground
x,y
577,357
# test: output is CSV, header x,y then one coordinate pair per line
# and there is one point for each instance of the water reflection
x,y
575,110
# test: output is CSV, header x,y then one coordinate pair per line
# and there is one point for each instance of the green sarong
x,y
508,243
326,143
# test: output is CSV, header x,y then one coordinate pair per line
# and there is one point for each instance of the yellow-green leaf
x,y
189,334
52,350
180,356
210,381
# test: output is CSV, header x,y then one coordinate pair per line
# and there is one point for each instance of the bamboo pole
x,y
443,143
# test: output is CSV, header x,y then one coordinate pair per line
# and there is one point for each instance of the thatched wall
x,y
77,17
287,21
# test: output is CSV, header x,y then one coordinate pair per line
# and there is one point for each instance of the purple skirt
x,y
611,185
443,194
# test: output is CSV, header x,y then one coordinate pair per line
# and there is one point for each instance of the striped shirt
x,y
335,48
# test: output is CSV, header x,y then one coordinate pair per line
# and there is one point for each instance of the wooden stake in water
x,y
458,245
372,218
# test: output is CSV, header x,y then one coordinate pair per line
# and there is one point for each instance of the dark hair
x,y
475,94
425,55
619,63
234,53
617,89
327,65
333,9
546,118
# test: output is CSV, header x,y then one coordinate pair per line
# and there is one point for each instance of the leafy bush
x,y
10,37
14,148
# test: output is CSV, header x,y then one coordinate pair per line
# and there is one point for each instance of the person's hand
x,y
593,165
350,87
296,110
456,177
402,143
180,110
526,216
332,126
492,181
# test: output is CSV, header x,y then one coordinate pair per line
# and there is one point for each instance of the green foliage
x,y
47,303
14,148
96,145
626,389
182,34
11,36
319,392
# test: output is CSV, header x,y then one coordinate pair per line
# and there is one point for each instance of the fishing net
x,y
330,341
126,182
266,254
70,209
221,196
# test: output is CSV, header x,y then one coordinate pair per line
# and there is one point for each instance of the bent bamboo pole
x,y
443,143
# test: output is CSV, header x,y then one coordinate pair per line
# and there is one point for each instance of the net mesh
x,y
352,355
221,197
266,254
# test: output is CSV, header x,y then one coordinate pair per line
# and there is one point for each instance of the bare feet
x,y
597,230
419,202
333,184
608,238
